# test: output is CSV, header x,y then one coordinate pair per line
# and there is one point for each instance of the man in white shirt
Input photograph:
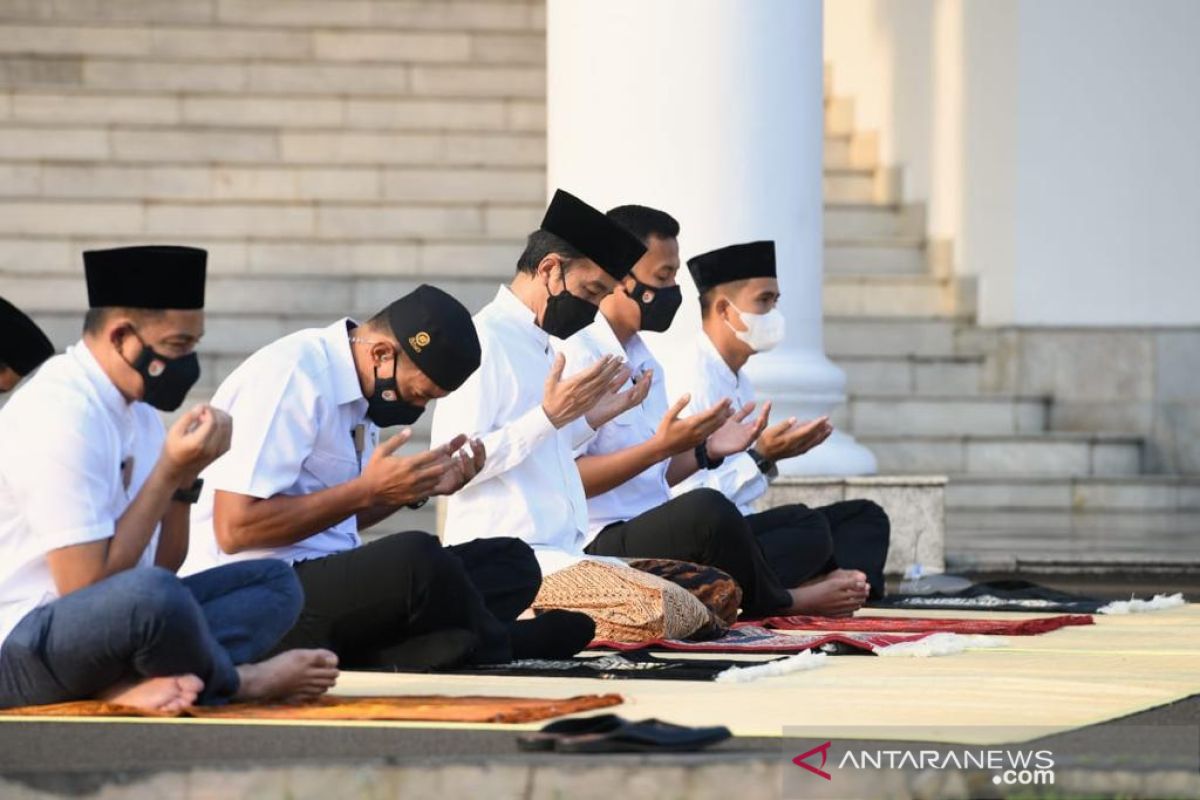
x,y
834,554
23,346
628,469
306,473
532,424
94,498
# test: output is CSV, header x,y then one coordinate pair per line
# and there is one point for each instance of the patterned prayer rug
x,y
991,627
436,708
755,639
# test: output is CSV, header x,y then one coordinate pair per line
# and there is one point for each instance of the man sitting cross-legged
x,y
628,469
834,554
306,473
94,501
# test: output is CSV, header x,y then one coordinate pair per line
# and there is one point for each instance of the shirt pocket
x,y
331,469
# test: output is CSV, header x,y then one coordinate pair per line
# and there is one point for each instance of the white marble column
x,y
711,110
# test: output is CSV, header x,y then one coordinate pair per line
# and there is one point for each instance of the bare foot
x,y
838,594
170,695
292,676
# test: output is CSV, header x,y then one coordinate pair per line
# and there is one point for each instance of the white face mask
x,y
763,331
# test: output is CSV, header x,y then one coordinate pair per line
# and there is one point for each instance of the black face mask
x,y
566,315
659,310
386,408
167,380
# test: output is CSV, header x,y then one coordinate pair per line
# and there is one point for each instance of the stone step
x,y
260,147
859,256
276,77
862,185
1046,454
454,15
63,106
227,43
901,415
868,223
913,375
1153,493
264,249
839,116
890,295
859,150
889,337
1078,540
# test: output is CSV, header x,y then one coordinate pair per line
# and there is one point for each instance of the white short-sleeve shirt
x,y
295,406
73,455
709,379
649,488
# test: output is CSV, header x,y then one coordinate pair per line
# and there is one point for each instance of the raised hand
x,y
197,439
792,438
737,434
565,401
464,465
613,403
400,480
679,435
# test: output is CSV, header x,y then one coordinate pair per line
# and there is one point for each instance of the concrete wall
x,y
1054,141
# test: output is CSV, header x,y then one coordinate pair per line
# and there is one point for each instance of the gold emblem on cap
x,y
419,341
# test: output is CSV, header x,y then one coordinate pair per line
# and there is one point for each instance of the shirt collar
x,y
710,352
511,308
105,389
635,351
341,360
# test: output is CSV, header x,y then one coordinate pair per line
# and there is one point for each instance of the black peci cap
x,y
592,233
437,333
737,262
23,346
148,276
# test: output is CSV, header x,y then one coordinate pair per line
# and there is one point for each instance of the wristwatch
x,y
189,495
704,460
765,465
415,505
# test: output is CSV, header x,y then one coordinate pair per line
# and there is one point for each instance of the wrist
x,y
555,420
363,493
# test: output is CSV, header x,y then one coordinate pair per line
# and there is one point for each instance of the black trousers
x,y
802,543
703,527
405,601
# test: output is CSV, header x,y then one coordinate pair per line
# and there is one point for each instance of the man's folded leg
x,y
142,623
369,601
704,527
249,605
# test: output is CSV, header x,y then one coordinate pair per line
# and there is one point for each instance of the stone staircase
x,y
333,155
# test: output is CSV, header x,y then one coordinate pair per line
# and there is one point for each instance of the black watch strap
x,y
704,459
189,495
765,465
417,504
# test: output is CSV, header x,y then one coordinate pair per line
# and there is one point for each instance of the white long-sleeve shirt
x,y
649,488
706,375
529,488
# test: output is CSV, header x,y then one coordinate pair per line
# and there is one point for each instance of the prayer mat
x,y
755,639
1005,595
431,708
991,627
608,667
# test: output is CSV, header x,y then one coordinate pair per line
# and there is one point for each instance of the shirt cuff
x,y
581,434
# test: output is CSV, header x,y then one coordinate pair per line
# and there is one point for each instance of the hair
x,y
709,295
382,323
96,318
541,244
644,222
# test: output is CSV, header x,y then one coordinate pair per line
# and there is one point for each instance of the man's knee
x,y
153,596
713,515
279,578
518,558
868,513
